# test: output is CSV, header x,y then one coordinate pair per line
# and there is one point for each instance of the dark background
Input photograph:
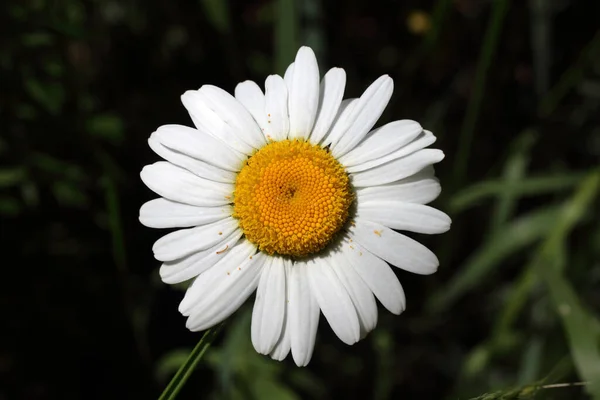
x,y
510,88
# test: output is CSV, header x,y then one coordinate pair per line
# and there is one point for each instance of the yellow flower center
x,y
291,198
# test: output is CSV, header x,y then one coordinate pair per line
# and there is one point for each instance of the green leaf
x,y
69,195
217,12
50,95
168,364
108,127
9,206
12,176
268,389
37,39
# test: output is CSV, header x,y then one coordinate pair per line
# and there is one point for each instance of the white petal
x,y
303,94
303,312
227,294
397,169
284,343
405,216
367,111
177,184
207,283
382,141
200,168
163,213
183,242
331,92
361,295
276,97
269,307
206,119
424,140
395,248
288,75
249,94
341,121
414,189
188,267
334,300
200,145
235,115
377,275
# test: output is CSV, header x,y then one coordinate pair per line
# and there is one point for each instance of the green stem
x,y
486,57
185,371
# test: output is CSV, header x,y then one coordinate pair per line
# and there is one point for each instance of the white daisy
x,y
291,193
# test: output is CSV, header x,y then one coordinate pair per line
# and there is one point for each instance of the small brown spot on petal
x,y
223,251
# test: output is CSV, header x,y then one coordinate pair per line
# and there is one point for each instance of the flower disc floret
x,y
291,198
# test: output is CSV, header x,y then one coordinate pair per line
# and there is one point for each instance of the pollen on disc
x,y
291,198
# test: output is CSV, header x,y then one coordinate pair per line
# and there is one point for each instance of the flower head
x,y
290,193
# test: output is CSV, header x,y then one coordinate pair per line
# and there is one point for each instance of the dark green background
x,y
510,88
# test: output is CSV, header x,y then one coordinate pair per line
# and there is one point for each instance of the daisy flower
x,y
291,193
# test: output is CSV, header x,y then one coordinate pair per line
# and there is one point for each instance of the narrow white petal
x,y
284,343
208,282
334,300
234,114
341,121
405,216
177,184
367,111
227,295
415,189
395,248
361,295
206,119
303,312
276,97
200,145
397,169
288,75
163,213
269,307
331,92
188,267
183,242
249,94
382,141
303,94
423,140
197,167
377,275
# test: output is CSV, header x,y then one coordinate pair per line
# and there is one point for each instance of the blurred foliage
x,y
511,89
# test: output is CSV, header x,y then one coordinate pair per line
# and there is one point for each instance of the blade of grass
x,y
286,34
570,78
185,371
488,50
581,327
512,238
531,186
515,170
